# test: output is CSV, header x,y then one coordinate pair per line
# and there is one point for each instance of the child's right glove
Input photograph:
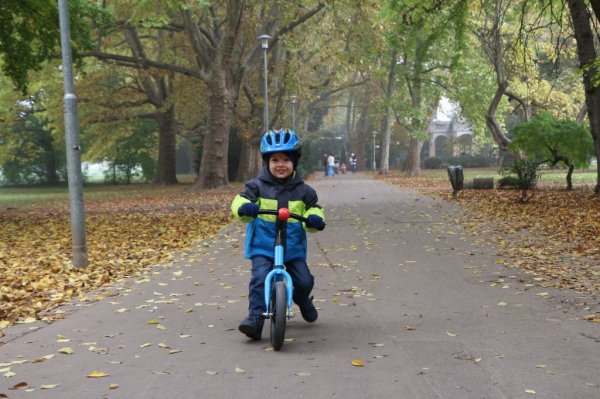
x,y
315,222
248,209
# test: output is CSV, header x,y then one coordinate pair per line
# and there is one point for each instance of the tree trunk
x,y
389,93
167,146
50,161
413,158
569,177
250,161
362,136
587,55
213,167
490,117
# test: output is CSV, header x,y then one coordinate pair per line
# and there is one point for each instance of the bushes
x,y
433,163
465,160
527,174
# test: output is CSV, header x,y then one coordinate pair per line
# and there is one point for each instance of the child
x,y
278,185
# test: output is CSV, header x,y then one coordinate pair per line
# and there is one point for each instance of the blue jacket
x,y
272,194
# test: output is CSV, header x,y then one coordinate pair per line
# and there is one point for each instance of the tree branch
x,y
134,62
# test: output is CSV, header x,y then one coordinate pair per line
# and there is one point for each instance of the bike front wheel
x,y
279,315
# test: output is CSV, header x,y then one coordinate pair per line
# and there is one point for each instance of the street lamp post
x,y
265,46
73,145
294,112
374,164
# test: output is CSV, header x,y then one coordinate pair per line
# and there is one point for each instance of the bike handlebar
x,y
283,214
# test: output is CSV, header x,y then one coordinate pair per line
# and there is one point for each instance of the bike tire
x,y
279,311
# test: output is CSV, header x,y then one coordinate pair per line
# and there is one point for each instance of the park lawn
x,y
127,229
548,176
555,236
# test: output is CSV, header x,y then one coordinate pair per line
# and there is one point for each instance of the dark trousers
x,y
261,266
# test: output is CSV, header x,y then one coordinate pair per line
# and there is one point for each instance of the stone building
x,y
449,133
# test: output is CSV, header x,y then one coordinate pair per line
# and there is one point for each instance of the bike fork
x,y
278,274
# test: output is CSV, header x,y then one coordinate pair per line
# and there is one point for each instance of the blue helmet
x,y
284,140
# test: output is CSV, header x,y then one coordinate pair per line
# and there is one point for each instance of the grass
x,y
17,197
554,176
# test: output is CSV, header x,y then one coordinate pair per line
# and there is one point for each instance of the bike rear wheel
x,y
279,315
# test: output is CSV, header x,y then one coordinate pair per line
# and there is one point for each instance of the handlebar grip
x,y
276,213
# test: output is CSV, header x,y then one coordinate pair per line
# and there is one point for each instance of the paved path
x,y
423,306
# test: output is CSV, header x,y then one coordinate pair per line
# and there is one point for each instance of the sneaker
x,y
252,326
309,312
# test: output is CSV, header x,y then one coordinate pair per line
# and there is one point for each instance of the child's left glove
x,y
315,222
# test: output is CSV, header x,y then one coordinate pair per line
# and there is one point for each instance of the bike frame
x,y
278,273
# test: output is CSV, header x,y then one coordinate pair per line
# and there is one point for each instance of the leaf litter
x,y
125,234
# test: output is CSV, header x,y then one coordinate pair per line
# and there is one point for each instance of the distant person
x,y
325,161
343,168
278,183
336,165
353,162
330,165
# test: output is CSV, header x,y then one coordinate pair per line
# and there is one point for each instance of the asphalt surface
x,y
400,288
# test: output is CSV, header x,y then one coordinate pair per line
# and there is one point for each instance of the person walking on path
x,y
330,165
278,185
353,162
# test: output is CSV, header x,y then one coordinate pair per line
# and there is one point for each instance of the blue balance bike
x,y
278,283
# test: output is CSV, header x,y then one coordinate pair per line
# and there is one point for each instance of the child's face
x,y
281,166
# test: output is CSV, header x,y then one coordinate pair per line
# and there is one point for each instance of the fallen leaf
x,y
239,370
303,374
357,363
49,386
451,334
530,391
97,374
113,386
66,351
210,372
20,385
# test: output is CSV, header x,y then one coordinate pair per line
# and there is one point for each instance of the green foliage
x,y
305,163
465,160
526,173
433,163
133,155
554,140
30,35
508,182
29,153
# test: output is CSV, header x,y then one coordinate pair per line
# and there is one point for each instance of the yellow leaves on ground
x,y
66,351
555,236
125,233
358,363
97,374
